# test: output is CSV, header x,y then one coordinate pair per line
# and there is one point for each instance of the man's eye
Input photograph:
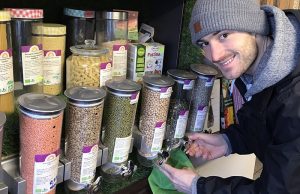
x,y
224,36
202,44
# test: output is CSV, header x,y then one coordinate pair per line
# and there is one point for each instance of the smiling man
x,y
260,48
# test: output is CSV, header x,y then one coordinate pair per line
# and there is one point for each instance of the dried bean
x,y
83,126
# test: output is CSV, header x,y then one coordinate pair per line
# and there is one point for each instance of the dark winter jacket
x,y
269,126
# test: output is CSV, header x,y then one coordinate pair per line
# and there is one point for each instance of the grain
x,y
118,120
83,126
200,100
37,136
153,110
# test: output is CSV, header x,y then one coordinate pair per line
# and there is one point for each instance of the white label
x,y
209,80
165,92
188,84
89,163
121,150
200,118
134,98
105,73
52,67
6,71
119,60
158,138
32,61
45,172
181,124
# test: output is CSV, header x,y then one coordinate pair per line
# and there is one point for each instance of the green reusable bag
x,y
159,183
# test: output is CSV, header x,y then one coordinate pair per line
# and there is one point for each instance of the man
x,y
260,48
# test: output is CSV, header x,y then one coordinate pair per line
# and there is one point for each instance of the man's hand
x,y
207,146
181,178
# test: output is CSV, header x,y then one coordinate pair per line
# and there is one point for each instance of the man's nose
x,y
216,51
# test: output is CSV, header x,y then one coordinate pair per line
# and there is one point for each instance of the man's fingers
x,y
167,170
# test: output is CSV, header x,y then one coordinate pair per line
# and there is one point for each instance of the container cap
x,y
181,74
41,103
85,94
26,13
156,80
112,15
49,29
79,13
89,49
2,119
124,86
4,16
204,69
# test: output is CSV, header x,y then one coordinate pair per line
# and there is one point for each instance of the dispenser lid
x,y
85,94
204,69
123,86
2,119
26,13
4,16
181,74
112,15
79,13
89,49
156,80
41,103
49,29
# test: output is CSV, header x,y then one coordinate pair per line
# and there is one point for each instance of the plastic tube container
x,y
7,103
41,119
83,126
179,106
201,96
119,115
156,94
112,33
27,57
53,38
80,27
89,65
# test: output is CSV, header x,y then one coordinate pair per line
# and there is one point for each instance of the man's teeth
x,y
229,61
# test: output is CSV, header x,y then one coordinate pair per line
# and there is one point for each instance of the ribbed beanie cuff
x,y
209,16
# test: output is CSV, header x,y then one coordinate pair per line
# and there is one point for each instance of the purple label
x,y
28,48
159,124
200,107
209,79
49,52
104,65
87,149
116,47
182,112
9,51
42,157
163,90
187,82
133,96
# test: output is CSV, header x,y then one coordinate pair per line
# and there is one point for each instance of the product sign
x,y
188,84
52,67
119,60
89,163
200,118
45,172
181,124
6,71
121,149
165,92
158,138
32,63
105,73
209,80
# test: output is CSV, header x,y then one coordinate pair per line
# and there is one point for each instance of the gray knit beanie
x,y
210,16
